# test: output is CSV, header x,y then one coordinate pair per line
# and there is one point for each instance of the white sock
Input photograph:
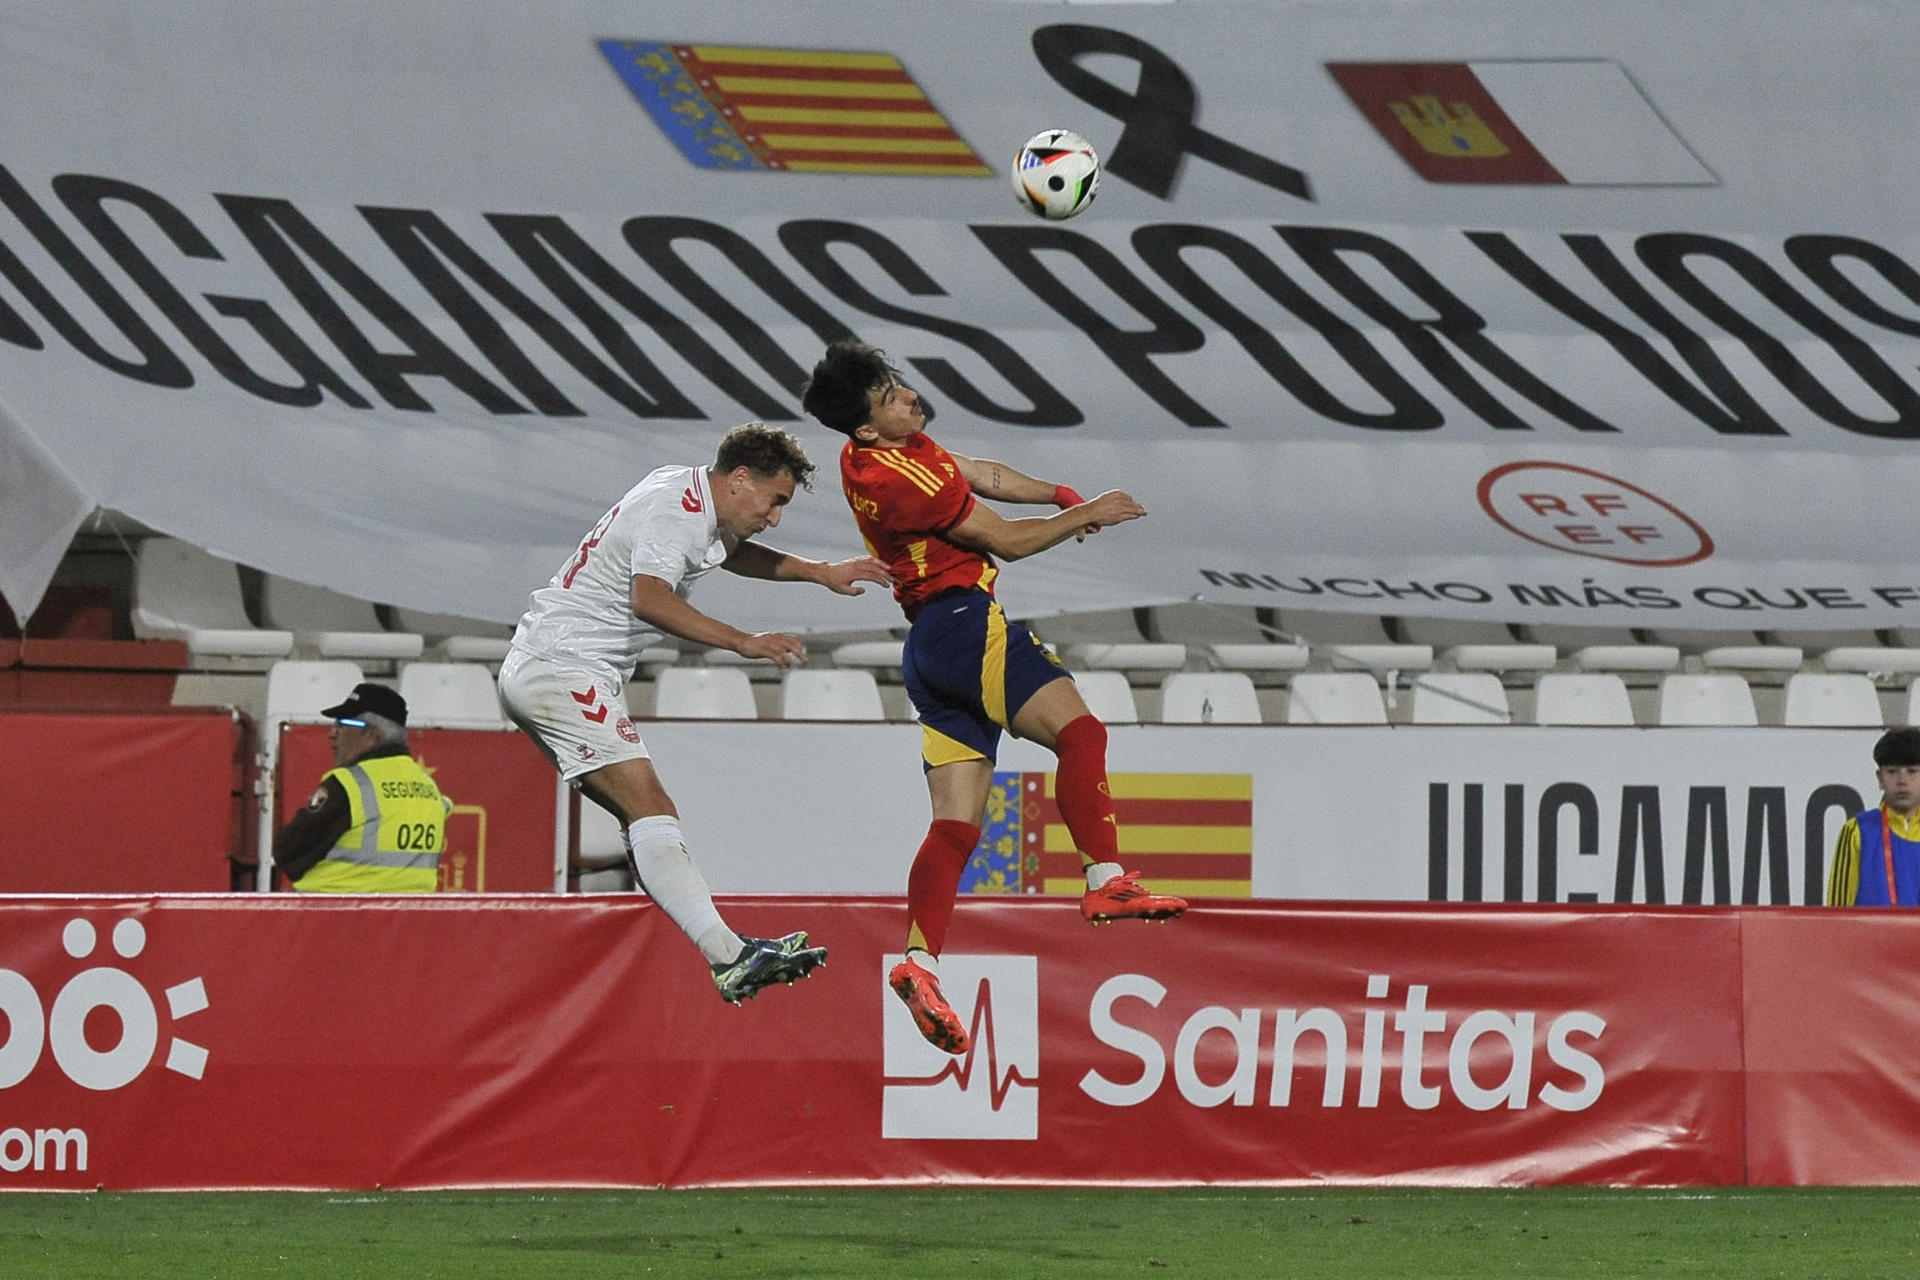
x,y
925,959
1098,873
667,875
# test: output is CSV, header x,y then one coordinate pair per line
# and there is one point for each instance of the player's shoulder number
x,y
587,545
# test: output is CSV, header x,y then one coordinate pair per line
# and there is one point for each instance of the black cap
x,y
376,698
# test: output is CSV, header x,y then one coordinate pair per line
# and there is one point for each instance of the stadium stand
x,y
1101,626
1582,698
1259,661
1142,657
1833,700
830,694
451,695
1315,628
1752,657
333,625
882,657
1445,633
1689,641
1821,641
457,639
1625,657
183,593
1208,697
1460,697
1198,623
1880,662
704,693
1334,697
1498,658
1108,695
596,849
1706,698
1567,637
298,688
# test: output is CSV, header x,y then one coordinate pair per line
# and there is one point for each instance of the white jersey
x,y
666,528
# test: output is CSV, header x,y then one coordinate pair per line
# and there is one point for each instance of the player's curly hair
x,y
765,451
837,392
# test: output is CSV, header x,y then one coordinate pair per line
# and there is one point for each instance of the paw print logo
x,y
32,1030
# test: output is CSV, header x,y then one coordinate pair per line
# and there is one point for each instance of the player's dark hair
x,y
837,392
1897,747
765,451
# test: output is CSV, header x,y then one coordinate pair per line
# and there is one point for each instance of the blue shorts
x,y
969,671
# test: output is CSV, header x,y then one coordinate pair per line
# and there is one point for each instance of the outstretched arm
x,y
1002,483
655,604
843,577
984,529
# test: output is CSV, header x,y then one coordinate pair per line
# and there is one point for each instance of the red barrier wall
x,y
138,802
244,1041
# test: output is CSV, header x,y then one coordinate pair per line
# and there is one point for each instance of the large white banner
x,y
1594,313
1413,813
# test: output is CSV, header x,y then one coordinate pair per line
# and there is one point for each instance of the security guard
x,y
377,824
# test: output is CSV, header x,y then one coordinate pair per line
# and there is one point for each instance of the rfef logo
x,y
993,1090
1589,513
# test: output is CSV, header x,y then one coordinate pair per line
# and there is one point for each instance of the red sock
x,y
934,881
1080,788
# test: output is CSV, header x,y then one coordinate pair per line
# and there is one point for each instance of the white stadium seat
x,y
830,694
1334,697
298,689
1126,657
1582,698
703,693
1209,697
450,695
1832,700
1108,695
183,593
1719,698
1259,658
1626,657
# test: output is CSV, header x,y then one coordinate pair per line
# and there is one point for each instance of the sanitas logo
x,y
991,1092
1490,1058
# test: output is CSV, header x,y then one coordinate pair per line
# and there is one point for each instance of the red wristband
x,y
1063,497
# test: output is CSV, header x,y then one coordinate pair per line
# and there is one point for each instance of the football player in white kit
x,y
621,590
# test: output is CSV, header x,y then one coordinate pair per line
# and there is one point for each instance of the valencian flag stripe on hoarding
x,y
1573,121
728,107
1186,833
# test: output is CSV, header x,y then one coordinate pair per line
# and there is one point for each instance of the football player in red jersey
x,y
970,671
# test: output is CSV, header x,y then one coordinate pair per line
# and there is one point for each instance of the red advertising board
x,y
140,802
283,1041
500,834
1832,1015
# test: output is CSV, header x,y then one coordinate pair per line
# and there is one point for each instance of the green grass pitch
x,y
922,1234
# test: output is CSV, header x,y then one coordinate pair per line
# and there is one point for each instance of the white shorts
x,y
577,716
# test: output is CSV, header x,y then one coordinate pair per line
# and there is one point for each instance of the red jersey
x,y
905,500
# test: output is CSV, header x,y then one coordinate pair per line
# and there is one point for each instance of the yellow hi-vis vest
x,y
399,831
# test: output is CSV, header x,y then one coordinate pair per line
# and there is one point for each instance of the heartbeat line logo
x,y
994,1090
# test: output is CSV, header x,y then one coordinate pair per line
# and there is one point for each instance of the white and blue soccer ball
x,y
1056,174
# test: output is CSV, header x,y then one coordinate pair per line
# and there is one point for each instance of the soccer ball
x,y
1056,175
